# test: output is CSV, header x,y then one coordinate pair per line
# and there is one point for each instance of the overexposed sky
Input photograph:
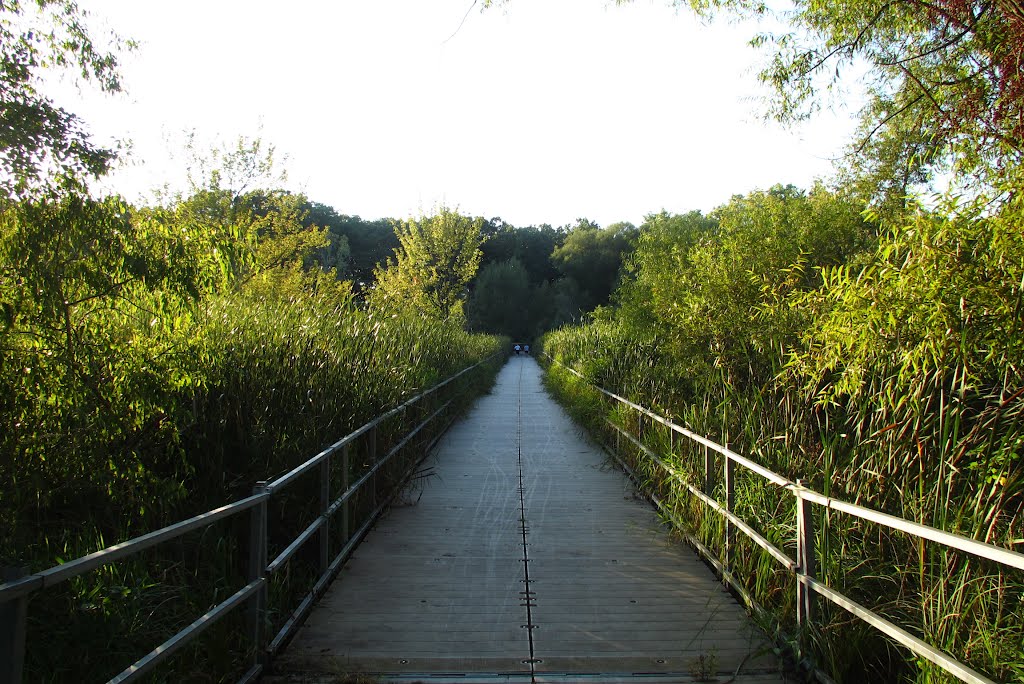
x,y
542,113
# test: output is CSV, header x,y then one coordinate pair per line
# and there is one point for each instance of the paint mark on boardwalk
x,y
526,559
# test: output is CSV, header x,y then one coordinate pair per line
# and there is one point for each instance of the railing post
x,y
13,615
325,503
804,556
373,462
258,571
730,505
346,470
709,471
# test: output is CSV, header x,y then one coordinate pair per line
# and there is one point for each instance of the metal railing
x,y
803,567
15,591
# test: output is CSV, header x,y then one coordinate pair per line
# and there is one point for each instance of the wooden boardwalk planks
x,y
440,586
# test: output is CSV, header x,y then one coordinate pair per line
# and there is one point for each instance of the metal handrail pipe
x,y
767,474
298,615
755,536
925,650
252,675
956,541
20,587
166,649
306,604
901,636
750,465
703,550
60,573
296,544
306,534
972,546
348,493
741,524
313,462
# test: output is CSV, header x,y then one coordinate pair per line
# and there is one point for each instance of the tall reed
x,y
893,381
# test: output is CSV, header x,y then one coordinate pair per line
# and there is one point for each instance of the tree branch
x,y
461,23
852,44
931,51
886,120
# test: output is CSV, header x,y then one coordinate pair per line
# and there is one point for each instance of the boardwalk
x,y
526,558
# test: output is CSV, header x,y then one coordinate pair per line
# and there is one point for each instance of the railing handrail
x,y
283,480
981,549
805,578
19,588
79,566
724,450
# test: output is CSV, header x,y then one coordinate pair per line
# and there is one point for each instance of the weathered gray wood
x,y
439,584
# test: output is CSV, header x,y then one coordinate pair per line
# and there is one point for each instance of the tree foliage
x,y
718,285
433,266
40,141
504,302
881,363
532,246
154,363
593,257
945,80
924,336
944,84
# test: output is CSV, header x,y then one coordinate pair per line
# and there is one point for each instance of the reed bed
x,y
262,383
965,606
889,377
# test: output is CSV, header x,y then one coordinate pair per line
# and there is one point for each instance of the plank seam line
x,y
529,626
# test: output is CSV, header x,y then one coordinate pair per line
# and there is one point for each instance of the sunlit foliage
x,y
879,362
437,258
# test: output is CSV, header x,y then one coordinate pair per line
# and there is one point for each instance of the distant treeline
x,y
531,278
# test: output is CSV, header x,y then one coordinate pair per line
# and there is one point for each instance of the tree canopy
x,y
592,256
503,301
436,259
41,143
945,81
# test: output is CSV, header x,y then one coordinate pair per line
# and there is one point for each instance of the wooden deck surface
x,y
446,588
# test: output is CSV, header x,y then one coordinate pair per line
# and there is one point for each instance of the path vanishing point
x,y
526,557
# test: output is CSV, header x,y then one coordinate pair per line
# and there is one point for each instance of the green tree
x,y
266,236
503,301
945,81
357,246
98,330
531,245
435,262
593,257
41,142
719,287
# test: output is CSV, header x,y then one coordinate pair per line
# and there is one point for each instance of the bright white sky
x,y
542,113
